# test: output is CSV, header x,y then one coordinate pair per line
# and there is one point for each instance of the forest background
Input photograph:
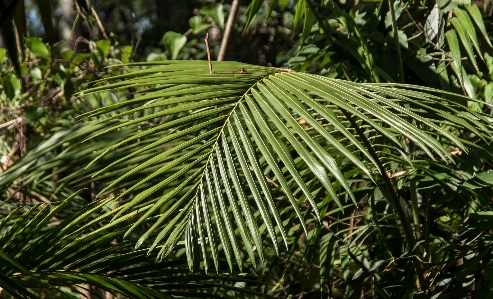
x,y
394,222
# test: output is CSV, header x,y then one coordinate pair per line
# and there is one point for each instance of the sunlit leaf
x,y
37,46
11,85
198,25
216,12
174,42
432,23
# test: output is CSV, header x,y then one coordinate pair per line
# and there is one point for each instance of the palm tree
x,y
247,162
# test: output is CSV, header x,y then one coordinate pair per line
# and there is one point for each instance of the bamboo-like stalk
x,y
228,29
208,52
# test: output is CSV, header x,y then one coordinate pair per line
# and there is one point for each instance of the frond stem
x,y
219,134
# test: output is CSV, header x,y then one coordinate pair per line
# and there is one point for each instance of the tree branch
x,y
208,51
227,30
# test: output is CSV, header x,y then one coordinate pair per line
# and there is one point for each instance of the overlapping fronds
x,y
232,157
39,252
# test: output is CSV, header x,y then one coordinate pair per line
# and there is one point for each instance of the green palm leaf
x,y
245,144
39,251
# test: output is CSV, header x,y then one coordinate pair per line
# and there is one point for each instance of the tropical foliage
x,y
240,180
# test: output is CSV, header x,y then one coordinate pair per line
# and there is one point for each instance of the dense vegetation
x,y
345,153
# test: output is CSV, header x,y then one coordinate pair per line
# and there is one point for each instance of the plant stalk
x,y
414,201
396,41
416,214
426,226
208,52
228,29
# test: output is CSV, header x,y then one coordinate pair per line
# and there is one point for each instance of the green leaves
x,y
463,25
38,48
310,20
475,14
11,85
8,36
432,25
156,57
39,251
258,139
2,54
462,2
398,7
251,12
456,64
126,53
174,42
103,47
197,24
464,30
235,167
33,114
215,11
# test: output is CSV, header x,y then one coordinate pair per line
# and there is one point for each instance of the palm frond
x,y
245,144
40,251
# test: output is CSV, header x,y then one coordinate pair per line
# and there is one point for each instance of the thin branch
x,y
421,30
12,123
74,24
18,41
319,18
72,30
443,59
426,225
336,220
137,45
418,26
100,25
356,3
345,71
80,40
283,70
86,23
415,36
208,51
227,30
